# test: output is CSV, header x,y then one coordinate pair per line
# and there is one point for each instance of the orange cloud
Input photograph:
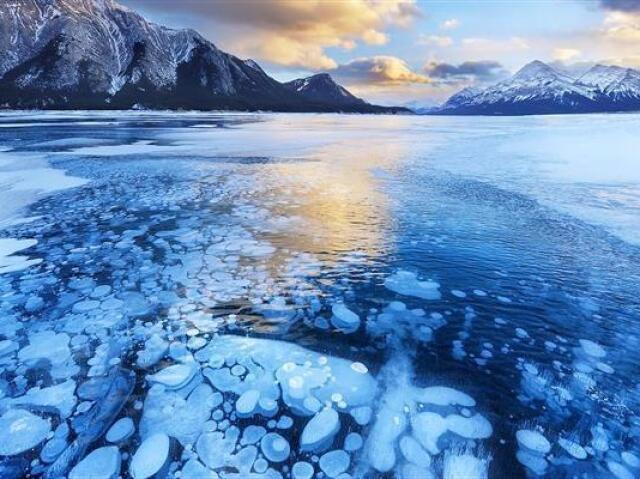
x,y
380,70
297,33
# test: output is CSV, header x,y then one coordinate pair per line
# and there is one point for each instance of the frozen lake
x,y
295,296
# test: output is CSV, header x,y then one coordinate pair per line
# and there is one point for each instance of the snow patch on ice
x,y
9,262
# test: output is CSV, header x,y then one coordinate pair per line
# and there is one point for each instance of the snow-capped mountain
x,y
539,89
463,96
321,88
99,54
620,85
602,76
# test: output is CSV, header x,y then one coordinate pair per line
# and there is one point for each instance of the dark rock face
x,y
97,54
321,88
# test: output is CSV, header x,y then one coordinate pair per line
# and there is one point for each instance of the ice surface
x,y
344,318
275,447
174,377
405,408
535,463
51,347
170,413
9,262
406,283
150,457
445,396
572,448
318,433
619,471
533,441
247,404
154,349
191,243
56,445
592,349
25,177
302,470
102,463
121,430
414,453
631,459
334,463
427,428
466,466
306,379
353,442
252,434
398,323
474,427
195,470
20,431
59,398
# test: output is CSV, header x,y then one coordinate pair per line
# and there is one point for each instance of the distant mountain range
x,y
540,89
97,54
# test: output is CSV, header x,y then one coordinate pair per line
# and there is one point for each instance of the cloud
x,y
566,54
290,32
486,44
378,70
435,40
622,27
471,70
450,24
512,49
574,69
621,5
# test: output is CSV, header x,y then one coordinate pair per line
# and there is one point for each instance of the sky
x,y
416,52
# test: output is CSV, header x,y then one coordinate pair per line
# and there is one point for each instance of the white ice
x,y
9,261
406,283
344,318
20,431
318,433
150,457
101,463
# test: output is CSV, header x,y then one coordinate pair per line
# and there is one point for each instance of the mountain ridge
x,y
98,54
322,87
538,88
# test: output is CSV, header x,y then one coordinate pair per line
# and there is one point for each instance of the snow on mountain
x,y
99,54
63,43
537,88
323,89
602,76
463,96
619,84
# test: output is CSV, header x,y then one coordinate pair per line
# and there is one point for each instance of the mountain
x,y
419,107
98,54
322,89
539,89
463,97
621,86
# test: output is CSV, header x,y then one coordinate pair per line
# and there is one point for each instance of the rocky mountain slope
x,y
99,54
322,88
